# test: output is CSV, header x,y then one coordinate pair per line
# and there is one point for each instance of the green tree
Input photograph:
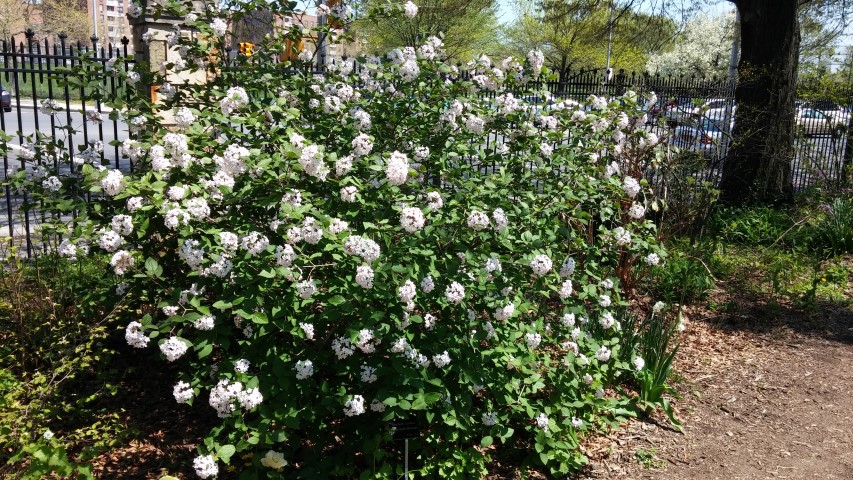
x,y
575,33
468,27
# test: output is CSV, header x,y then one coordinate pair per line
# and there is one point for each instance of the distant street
x,y
27,120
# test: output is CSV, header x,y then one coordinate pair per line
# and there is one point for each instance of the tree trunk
x,y
758,167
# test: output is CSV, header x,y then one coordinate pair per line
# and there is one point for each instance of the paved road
x,y
26,120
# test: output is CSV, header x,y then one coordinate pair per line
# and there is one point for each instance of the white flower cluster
x,y
182,392
173,348
134,336
354,406
362,247
541,264
304,369
205,466
224,394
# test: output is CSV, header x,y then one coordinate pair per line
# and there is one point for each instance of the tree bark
x,y
758,168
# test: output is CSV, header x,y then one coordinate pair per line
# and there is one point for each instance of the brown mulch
x,y
767,392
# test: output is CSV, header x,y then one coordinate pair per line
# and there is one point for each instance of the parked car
x,y
811,121
5,99
685,111
707,136
839,115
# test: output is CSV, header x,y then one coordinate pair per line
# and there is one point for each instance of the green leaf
x,y
336,300
486,441
225,452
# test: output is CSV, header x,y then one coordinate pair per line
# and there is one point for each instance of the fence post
x,y
156,53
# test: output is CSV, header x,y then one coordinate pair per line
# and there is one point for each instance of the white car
x,y
709,137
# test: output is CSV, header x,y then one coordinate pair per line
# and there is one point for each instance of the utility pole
x,y
321,44
95,22
609,38
735,51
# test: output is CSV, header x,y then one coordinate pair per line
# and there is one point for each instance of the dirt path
x,y
764,396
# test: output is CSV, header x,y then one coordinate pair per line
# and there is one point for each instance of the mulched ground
x,y
767,392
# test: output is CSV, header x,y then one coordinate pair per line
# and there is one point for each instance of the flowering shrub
x,y
324,254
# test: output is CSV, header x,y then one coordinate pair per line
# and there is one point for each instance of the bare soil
x,y
767,393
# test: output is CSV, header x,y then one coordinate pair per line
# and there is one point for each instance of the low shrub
x,y
322,255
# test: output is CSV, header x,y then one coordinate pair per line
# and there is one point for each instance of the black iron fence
x,y
46,102
695,114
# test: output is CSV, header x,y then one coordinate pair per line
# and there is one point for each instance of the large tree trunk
x,y
758,167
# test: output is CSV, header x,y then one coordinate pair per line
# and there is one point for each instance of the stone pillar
x,y
156,53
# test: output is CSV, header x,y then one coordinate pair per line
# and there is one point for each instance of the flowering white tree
x,y
703,49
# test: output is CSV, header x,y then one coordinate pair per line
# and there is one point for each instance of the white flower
x,y
546,150
361,145
110,241
435,200
121,262
412,219
532,340
477,220
658,307
336,226
354,406
604,301
364,276
621,236
537,60
455,293
343,165
637,211
542,421
343,347
284,255
568,320
429,321
576,422
184,118
397,168
113,183
639,363
541,265
348,193
308,330
653,259
368,374
205,465
362,247
47,435
566,289
176,192
407,292
274,460
235,97
504,313
587,379
205,322
182,392
304,369
475,124
489,419
134,336
175,217
241,365
607,320
427,284
603,354
377,406
173,348
499,219
219,26
410,9
306,289
631,186
52,184
254,243
441,360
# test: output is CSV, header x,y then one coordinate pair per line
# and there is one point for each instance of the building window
x,y
120,9
111,8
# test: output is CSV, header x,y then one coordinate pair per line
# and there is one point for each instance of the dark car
x,y
5,99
